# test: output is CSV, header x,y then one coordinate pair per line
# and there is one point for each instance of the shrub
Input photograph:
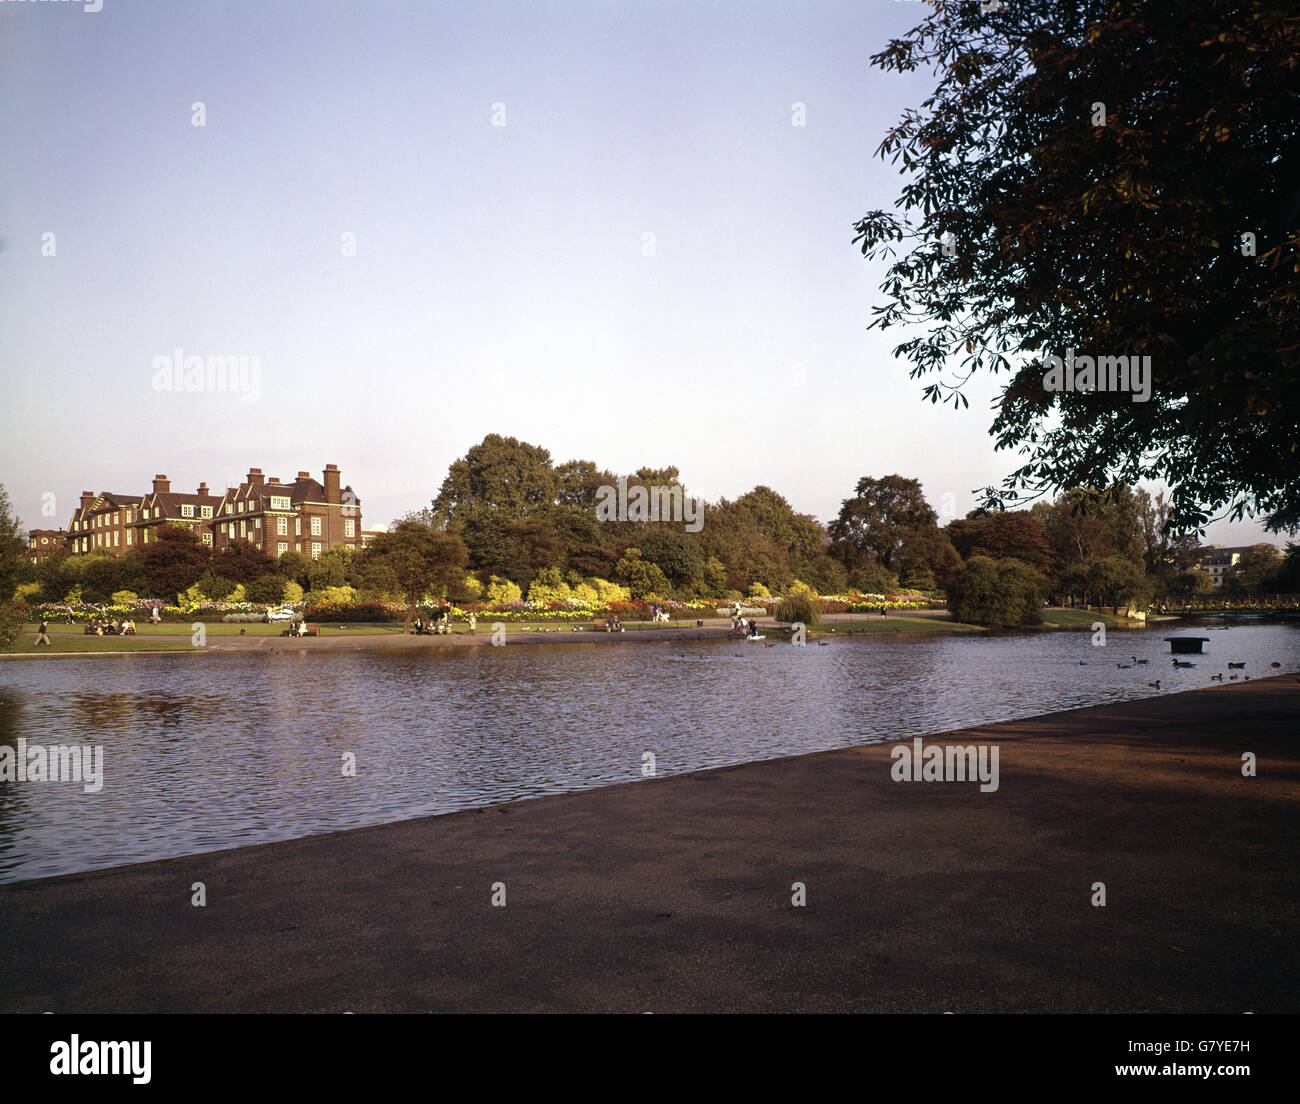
x,y
758,590
269,590
501,591
125,598
873,579
799,607
998,593
243,618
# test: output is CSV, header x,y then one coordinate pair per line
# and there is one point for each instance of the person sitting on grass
x,y
43,636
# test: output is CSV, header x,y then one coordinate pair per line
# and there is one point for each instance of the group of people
x,y
741,626
101,627
439,625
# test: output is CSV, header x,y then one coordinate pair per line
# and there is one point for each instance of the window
x,y
279,502
349,528
282,548
145,512
281,527
130,534
315,550
187,511
297,527
207,538
257,523
315,527
116,534
243,528
205,511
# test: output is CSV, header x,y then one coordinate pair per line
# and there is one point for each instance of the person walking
x,y
43,636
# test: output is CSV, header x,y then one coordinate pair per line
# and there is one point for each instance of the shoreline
x,y
674,894
717,632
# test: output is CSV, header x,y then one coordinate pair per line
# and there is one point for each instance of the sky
x,y
621,232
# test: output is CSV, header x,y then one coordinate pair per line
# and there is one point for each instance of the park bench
x,y
308,630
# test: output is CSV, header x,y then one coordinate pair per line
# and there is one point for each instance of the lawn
x,y
75,641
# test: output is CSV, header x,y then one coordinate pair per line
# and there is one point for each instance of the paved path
x,y
675,894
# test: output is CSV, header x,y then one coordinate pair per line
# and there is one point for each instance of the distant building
x,y
299,516
302,515
45,542
103,522
1219,561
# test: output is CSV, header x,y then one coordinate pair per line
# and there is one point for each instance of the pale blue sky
x,y
501,281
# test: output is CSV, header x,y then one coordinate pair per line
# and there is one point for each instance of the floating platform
x,y
1187,645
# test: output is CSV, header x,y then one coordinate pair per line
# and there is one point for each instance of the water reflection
x,y
217,751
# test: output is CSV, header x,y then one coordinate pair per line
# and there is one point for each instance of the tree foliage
x,y
1081,179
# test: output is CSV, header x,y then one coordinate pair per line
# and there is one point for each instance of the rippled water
x,y
212,751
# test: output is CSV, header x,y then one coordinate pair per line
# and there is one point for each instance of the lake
x,y
213,751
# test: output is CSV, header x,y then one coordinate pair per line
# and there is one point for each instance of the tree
x,y
243,561
889,522
1192,581
1004,534
1116,581
998,593
12,560
173,561
1256,571
499,473
266,591
1082,178
1287,579
641,577
423,561
676,555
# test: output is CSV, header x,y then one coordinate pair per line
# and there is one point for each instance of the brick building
x,y
280,516
103,522
45,542
301,515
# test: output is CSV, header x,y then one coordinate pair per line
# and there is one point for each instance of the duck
x,y
1136,660
1180,663
1235,666
1232,678
1155,684
1275,665
1218,677
1124,666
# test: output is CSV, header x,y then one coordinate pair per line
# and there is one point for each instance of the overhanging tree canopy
x,y
1084,174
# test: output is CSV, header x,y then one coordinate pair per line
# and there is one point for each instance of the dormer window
x,y
205,511
279,502
187,510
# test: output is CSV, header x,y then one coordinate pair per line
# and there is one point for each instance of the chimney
x,y
255,477
332,483
87,500
304,475
161,484
203,489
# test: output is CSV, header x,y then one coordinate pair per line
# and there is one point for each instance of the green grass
x,y
62,643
